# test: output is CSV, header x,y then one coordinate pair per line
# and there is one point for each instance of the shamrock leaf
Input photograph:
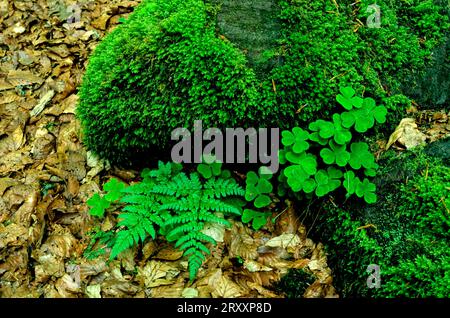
x,y
342,135
364,118
307,161
324,128
360,156
114,188
252,178
251,192
295,175
298,179
259,218
348,99
98,205
209,170
337,154
297,139
257,187
262,201
367,190
316,138
327,181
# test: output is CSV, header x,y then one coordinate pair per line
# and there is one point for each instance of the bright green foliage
x,y
364,118
316,162
99,243
257,190
258,218
406,232
327,181
360,156
297,139
335,154
99,204
178,206
166,66
114,188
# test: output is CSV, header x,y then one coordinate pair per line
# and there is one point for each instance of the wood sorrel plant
x,y
323,158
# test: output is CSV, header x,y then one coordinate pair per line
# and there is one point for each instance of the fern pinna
x,y
177,205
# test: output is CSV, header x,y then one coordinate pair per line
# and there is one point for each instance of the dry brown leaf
x,y
262,291
169,254
284,241
6,183
226,288
240,243
407,134
173,291
156,273
46,98
288,220
101,22
253,266
12,235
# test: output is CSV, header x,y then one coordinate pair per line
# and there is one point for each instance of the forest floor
x,y
46,177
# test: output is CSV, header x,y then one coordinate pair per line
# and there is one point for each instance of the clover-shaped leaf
x,y
360,156
325,129
337,154
209,170
98,205
259,218
327,181
307,161
348,99
367,190
342,135
297,139
257,188
298,179
262,201
364,118
316,137
114,188
251,192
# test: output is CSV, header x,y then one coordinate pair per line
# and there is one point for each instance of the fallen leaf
x,y
93,291
407,134
226,288
157,273
284,241
189,293
42,103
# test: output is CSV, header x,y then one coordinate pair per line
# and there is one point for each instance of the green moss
x,y
295,283
407,232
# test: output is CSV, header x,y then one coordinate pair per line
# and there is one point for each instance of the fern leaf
x,y
124,241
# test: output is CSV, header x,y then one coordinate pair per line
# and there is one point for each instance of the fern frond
x,y
220,188
185,228
208,217
220,206
125,239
